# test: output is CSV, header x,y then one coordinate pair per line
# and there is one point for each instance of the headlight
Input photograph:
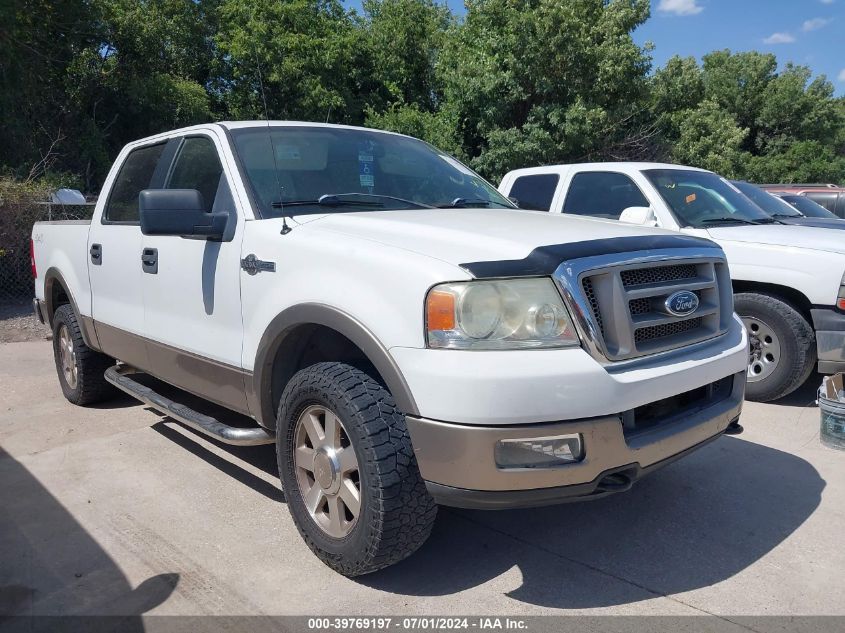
x,y
504,314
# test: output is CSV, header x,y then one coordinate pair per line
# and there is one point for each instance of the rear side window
x,y
197,167
134,176
602,195
824,198
535,192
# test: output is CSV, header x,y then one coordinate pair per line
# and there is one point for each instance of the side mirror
x,y
179,212
644,216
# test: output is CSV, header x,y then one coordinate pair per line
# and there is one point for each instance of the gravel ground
x,y
18,323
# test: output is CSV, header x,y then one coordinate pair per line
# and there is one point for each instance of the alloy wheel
x,y
327,471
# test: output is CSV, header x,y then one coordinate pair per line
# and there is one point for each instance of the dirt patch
x,y
18,323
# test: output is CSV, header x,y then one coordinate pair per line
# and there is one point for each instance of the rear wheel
x,y
348,470
79,367
782,343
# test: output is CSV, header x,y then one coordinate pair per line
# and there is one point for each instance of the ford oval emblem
x,y
681,303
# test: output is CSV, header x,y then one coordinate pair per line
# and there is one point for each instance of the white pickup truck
x,y
789,280
402,333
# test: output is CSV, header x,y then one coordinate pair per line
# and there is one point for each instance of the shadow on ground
x,y
49,564
691,525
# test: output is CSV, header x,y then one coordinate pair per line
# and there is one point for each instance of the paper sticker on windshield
x,y
365,173
366,164
286,151
691,198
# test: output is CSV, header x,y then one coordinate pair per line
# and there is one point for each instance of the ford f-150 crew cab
x,y
789,280
404,335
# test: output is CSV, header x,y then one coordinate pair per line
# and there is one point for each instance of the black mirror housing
x,y
179,212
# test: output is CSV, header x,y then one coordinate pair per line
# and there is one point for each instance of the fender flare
x,y
53,276
333,318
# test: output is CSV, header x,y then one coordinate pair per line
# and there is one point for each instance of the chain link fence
x,y
20,207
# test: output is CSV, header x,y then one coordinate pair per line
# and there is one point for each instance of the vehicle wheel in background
x,y
783,346
348,470
80,368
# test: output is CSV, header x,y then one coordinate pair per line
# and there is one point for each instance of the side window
x,y
602,195
134,176
535,192
840,205
827,200
197,167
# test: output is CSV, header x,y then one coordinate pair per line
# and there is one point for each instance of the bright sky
x,y
807,32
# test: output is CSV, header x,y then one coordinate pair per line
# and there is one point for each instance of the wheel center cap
x,y
325,471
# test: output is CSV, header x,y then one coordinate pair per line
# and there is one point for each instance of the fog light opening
x,y
539,452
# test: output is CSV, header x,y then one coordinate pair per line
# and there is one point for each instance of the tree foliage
x,y
512,83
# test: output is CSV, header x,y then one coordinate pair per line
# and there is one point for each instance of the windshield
x,y
772,205
328,170
702,199
809,208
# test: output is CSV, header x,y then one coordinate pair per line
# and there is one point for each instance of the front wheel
x,y
782,351
348,470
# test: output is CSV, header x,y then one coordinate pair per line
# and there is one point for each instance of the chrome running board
x,y
119,376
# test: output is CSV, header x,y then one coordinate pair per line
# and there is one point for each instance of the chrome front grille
x,y
653,332
623,305
587,284
642,276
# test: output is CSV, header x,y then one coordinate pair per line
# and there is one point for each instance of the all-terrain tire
x,y
796,339
91,387
396,513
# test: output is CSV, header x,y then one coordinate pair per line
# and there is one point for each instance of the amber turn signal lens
x,y
440,310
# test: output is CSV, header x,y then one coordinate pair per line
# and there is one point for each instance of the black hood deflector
x,y
544,260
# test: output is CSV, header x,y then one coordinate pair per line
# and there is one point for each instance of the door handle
x,y
96,252
149,260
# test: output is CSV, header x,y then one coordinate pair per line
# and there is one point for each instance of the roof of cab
x,y
236,125
620,165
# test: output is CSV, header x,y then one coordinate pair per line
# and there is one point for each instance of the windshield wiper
x,y
459,203
729,220
343,200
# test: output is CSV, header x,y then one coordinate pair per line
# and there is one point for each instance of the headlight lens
x,y
503,314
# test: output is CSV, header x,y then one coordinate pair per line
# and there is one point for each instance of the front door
x,y
191,287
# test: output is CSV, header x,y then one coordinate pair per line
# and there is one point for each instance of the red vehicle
x,y
831,197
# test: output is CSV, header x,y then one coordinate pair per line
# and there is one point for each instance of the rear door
x,y
192,305
114,253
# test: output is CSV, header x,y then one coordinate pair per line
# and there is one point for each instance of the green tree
x,y
544,79
404,39
310,55
710,138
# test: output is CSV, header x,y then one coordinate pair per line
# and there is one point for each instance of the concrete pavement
x,y
116,510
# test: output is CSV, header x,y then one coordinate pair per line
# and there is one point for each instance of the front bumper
x,y
458,464
829,325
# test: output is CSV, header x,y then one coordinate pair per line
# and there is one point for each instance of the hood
x,y
791,235
822,223
458,236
